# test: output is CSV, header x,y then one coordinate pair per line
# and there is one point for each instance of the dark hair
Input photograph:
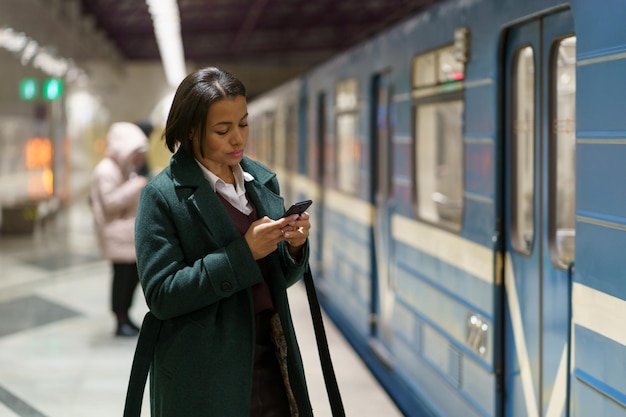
x,y
146,127
191,103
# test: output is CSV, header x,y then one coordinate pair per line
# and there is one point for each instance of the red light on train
x,y
457,76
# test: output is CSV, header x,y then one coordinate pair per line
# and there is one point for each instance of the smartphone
x,y
298,208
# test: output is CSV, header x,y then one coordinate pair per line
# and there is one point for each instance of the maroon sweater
x,y
260,292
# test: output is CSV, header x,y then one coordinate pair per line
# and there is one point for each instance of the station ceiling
x,y
274,39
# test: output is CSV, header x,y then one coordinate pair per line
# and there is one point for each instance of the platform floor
x,y
58,355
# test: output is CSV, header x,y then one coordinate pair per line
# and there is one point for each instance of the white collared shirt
x,y
234,194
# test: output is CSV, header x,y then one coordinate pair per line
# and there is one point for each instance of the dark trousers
x,y
125,280
269,397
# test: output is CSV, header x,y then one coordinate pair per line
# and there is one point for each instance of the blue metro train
x,y
469,226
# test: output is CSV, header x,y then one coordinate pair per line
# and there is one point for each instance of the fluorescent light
x,y
166,22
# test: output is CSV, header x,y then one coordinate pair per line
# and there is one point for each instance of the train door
x,y
539,166
382,288
319,158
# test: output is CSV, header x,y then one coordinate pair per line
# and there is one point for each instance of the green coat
x,y
197,272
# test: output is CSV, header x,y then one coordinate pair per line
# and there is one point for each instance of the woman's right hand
x,y
264,235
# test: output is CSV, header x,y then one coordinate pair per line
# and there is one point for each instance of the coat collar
x,y
186,173
192,187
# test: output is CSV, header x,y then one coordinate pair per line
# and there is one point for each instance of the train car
x,y
465,168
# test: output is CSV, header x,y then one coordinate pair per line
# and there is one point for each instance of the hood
x,y
123,139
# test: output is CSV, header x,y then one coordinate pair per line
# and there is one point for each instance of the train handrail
x,y
570,283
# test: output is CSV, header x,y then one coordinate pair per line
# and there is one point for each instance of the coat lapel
x,y
267,202
194,189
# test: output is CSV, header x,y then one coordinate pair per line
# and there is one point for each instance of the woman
x,y
215,267
116,185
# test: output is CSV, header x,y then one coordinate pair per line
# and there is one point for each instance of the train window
x,y
523,151
266,136
437,67
439,162
292,139
438,118
424,72
563,147
449,68
347,149
316,148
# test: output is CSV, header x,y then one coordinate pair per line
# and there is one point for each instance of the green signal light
x,y
52,89
28,89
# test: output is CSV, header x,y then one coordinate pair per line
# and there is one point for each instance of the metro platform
x,y
60,358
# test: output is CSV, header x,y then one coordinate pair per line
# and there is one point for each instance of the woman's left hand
x,y
297,232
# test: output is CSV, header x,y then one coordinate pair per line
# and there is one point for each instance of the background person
x,y
116,186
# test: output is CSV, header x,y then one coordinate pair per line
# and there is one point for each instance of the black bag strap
x,y
332,388
142,360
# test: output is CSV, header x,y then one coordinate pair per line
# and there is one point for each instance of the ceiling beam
x,y
248,25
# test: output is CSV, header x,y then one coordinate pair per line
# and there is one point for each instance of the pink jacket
x,y
115,192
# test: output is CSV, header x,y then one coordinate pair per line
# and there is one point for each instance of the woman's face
x,y
226,135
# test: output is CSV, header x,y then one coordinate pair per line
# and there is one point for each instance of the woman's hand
x,y
296,234
264,235
297,231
